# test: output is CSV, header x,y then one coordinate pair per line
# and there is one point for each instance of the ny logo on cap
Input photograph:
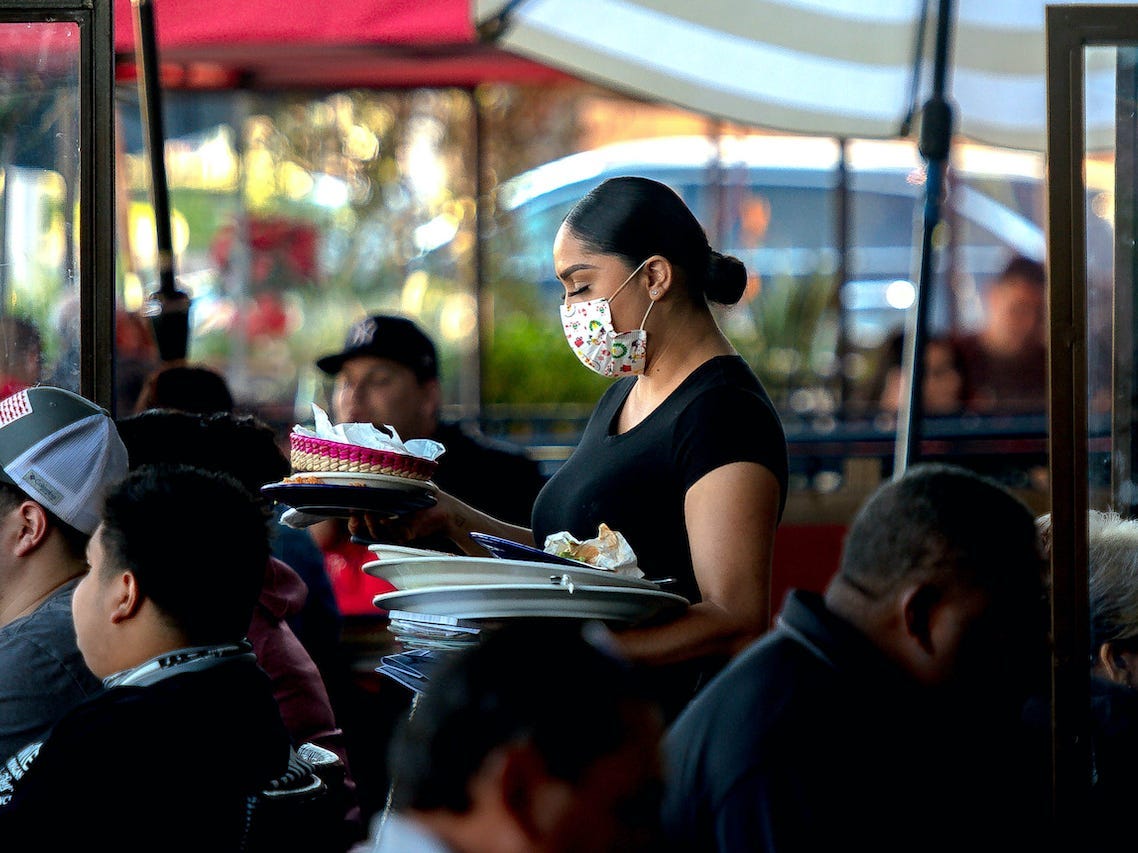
x,y
363,333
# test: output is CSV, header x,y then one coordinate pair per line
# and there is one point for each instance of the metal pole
x,y
168,307
935,141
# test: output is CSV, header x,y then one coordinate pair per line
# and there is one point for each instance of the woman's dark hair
x,y
635,218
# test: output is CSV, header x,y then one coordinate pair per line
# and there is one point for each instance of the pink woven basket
x,y
320,454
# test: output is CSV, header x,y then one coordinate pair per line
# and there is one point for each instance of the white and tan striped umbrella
x,y
827,67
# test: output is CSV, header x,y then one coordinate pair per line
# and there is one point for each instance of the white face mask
x,y
589,330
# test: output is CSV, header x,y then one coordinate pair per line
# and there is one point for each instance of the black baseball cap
x,y
387,336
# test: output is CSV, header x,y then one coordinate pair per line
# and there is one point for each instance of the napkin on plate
x,y
608,550
366,435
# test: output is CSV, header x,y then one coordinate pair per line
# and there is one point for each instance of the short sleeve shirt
x,y
636,482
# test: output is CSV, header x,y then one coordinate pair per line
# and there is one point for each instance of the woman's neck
x,y
674,353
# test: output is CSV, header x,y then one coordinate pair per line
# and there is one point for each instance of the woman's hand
x,y
401,529
449,517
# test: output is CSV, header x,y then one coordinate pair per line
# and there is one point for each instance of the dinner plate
x,y
340,501
383,551
510,550
345,478
507,601
455,570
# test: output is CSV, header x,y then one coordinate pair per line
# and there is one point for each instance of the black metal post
x,y
168,307
935,142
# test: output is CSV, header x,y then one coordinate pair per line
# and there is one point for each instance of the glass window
x,y
39,185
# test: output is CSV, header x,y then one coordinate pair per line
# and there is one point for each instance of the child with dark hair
x,y
188,723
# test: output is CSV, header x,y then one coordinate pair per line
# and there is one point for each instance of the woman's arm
x,y
730,514
450,517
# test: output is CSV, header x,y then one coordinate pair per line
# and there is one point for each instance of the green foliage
x,y
529,362
786,332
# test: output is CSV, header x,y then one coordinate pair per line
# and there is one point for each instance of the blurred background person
x,y
21,355
198,389
945,378
1006,360
187,387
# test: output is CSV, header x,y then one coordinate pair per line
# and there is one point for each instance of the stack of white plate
x,y
492,588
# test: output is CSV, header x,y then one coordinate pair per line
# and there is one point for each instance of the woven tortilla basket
x,y
320,454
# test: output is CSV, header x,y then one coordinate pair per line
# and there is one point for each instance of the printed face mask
x,y
589,330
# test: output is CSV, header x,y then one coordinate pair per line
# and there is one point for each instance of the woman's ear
x,y
660,275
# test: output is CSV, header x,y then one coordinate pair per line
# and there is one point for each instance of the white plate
x,y
504,601
383,551
345,478
452,570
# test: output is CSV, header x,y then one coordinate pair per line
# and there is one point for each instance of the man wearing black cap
x,y
387,375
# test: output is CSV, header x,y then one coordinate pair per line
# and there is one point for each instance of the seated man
x,y
886,715
59,453
387,374
188,724
535,739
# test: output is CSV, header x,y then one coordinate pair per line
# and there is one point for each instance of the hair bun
x,y
726,278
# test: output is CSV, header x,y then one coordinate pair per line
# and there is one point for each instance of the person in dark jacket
x,y
886,715
187,730
387,375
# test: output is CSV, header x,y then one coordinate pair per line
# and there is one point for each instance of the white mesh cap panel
x,y
70,471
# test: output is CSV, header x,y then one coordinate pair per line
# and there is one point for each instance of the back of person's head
x,y
942,570
635,218
239,445
186,387
942,518
196,543
572,702
1112,576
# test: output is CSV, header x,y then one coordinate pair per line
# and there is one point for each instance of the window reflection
x,y
39,175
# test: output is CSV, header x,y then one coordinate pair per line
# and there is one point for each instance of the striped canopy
x,y
828,67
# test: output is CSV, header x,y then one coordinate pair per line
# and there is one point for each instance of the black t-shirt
x,y
636,482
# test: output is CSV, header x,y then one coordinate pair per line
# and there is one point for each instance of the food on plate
x,y
608,550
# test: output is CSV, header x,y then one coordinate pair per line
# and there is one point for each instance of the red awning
x,y
266,44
